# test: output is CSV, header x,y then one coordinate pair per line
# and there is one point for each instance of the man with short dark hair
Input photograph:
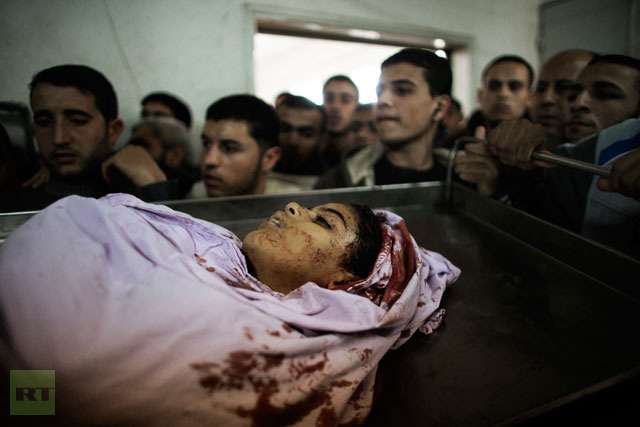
x,y
340,96
606,92
413,98
505,92
505,95
557,75
302,135
76,124
163,104
240,147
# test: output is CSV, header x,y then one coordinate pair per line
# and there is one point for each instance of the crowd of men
x,y
584,105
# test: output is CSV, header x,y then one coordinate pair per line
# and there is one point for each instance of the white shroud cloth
x,y
149,317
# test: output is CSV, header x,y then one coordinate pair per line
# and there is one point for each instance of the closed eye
x,y
323,222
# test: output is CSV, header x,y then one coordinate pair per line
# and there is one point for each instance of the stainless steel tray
x,y
540,318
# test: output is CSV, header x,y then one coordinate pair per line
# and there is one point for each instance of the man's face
x,y
300,134
549,98
364,127
405,110
604,94
146,137
505,94
340,102
297,245
231,161
156,109
71,132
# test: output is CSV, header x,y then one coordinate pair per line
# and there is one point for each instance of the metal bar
x,y
550,158
572,163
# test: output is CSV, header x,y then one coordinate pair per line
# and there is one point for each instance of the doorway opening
x,y
298,58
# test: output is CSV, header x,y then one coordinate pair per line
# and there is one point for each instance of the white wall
x,y
201,49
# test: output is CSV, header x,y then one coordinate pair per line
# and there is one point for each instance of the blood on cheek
x,y
298,243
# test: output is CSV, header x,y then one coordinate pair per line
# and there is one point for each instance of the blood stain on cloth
x,y
355,397
211,269
243,369
300,368
287,328
421,303
247,333
272,361
363,354
341,383
327,417
266,414
274,333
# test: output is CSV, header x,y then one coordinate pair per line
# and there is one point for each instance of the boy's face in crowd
x,y
505,94
300,134
231,161
340,102
364,127
71,132
405,110
604,94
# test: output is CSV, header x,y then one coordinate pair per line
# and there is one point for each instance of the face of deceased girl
x,y
298,245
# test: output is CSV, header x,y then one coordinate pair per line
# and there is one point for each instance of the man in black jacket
x,y
76,124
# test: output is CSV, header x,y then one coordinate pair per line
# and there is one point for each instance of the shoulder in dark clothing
x,y
387,173
559,194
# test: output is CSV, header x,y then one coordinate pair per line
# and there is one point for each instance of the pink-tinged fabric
x,y
150,317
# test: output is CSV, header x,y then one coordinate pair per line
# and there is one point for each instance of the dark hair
x,y
627,61
367,243
179,108
281,96
261,118
509,58
437,71
86,80
341,78
300,102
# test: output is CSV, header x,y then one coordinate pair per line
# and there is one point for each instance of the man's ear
x,y
444,103
269,159
173,156
114,130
